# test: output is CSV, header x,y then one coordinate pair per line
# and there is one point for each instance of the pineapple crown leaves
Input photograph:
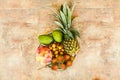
x,y
64,21
75,32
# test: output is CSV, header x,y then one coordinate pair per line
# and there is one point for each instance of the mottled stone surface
x,y
98,21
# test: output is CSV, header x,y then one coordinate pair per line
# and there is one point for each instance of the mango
x,y
57,35
45,39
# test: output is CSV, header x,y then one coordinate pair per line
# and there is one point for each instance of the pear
x,y
57,35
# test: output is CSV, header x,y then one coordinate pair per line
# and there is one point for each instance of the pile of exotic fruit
x,y
58,49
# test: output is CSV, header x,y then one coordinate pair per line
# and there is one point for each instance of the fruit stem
x,y
44,66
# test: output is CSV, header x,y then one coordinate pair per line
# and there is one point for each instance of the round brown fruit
x,y
54,60
60,58
56,55
53,45
61,53
54,67
66,57
54,49
50,47
63,50
59,47
56,52
69,63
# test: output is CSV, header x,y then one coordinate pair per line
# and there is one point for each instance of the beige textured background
x,y
21,21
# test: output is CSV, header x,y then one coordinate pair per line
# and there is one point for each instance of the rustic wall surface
x,y
21,21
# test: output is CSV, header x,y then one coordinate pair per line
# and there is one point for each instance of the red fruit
x,y
63,66
44,54
43,49
54,67
66,57
60,58
69,63
39,48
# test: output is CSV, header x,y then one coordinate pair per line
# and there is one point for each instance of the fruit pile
x,y
58,49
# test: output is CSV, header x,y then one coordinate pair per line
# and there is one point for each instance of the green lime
x,y
45,39
57,35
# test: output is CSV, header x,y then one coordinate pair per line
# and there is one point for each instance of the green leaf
x,y
58,17
64,9
70,34
75,32
73,8
69,17
66,36
63,18
56,12
61,30
61,7
60,20
59,24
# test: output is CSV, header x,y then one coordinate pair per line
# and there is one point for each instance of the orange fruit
x,y
54,67
69,63
62,66
66,57
60,58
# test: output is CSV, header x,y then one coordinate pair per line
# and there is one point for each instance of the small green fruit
x,y
45,39
57,35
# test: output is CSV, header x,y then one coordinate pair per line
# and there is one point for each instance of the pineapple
x,y
64,21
